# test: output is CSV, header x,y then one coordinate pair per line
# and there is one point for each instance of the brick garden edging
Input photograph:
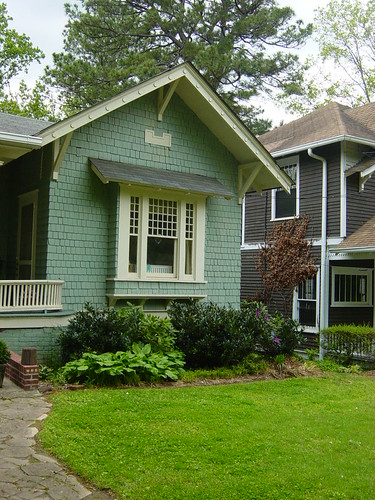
x,y
25,376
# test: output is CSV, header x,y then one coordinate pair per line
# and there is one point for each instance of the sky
x,y
44,20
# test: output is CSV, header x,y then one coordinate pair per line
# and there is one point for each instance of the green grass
x,y
307,438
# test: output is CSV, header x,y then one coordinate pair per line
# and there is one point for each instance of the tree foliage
x,y
36,102
344,71
112,44
285,259
16,50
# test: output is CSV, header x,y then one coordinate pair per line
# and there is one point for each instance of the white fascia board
x,y
324,142
20,140
200,85
98,110
254,145
352,250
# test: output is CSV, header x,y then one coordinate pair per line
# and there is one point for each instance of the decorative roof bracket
x,y
163,101
247,175
59,151
365,176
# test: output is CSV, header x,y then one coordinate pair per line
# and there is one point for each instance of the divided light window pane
x,y
134,230
162,236
286,203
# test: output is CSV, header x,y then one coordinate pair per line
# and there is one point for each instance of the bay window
x,y
161,236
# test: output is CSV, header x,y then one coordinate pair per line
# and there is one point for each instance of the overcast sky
x,y
43,21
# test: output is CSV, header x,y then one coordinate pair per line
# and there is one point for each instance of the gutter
x,y
353,250
21,140
323,247
324,142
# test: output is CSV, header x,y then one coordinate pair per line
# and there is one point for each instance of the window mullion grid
x,y
181,240
143,236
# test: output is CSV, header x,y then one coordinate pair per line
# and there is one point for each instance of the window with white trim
x,y
306,302
284,205
161,236
351,286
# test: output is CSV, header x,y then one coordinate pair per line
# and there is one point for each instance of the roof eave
x,y
229,128
324,142
13,146
353,250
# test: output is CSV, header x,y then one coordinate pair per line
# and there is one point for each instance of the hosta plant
x,y
137,364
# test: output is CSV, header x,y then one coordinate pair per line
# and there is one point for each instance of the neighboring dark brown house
x,y
330,154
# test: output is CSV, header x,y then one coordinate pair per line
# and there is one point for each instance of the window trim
x,y
144,194
283,162
309,328
352,271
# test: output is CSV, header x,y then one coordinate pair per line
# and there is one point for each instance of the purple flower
x,y
258,312
267,318
276,340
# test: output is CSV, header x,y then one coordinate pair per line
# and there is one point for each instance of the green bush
x,y
210,335
253,364
282,336
345,342
4,353
137,364
112,330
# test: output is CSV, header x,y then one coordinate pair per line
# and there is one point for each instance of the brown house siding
x,y
360,204
332,154
251,282
311,193
258,215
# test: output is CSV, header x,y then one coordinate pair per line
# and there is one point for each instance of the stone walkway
x,y
26,473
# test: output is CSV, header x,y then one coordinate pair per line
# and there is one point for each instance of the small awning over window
x,y
368,162
111,171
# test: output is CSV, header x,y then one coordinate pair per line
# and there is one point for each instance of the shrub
x,y
282,336
210,335
139,363
344,342
4,353
253,364
149,329
112,330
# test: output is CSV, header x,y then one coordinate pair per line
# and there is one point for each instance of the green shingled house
x,y
136,199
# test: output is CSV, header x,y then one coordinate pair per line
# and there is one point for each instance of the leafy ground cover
x,y
299,438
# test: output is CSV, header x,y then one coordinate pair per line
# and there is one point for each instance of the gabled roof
x,y
15,124
256,162
257,169
17,136
331,123
361,240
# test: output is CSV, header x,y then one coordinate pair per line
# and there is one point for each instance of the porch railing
x,y
30,295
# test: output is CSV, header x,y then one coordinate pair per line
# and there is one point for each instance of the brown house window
x,y
284,205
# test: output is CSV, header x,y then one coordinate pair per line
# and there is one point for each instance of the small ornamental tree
x,y
285,260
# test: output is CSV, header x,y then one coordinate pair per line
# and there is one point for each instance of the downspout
x,y
323,248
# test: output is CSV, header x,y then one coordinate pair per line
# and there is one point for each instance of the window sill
x,y
349,304
291,217
160,279
142,298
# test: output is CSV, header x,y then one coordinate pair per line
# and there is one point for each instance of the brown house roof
x,y
328,123
364,237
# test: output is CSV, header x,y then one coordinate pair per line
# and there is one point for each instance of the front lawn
x,y
306,438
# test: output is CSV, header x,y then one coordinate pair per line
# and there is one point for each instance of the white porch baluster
x,y
30,295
